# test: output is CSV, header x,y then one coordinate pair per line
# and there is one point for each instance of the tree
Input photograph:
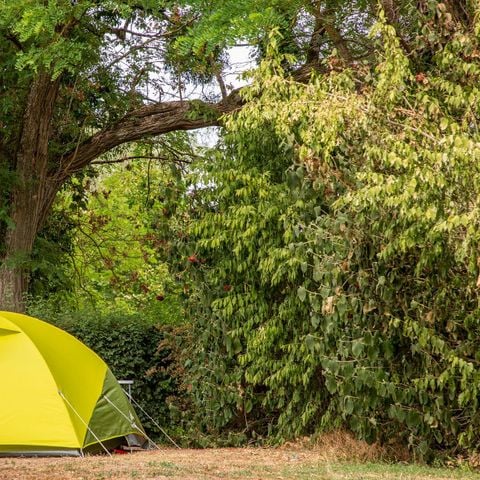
x,y
75,85
78,77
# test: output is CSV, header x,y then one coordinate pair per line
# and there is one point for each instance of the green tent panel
x,y
58,397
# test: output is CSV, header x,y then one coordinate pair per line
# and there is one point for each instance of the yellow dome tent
x,y
57,397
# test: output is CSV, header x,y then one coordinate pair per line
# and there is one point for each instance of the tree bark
x,y
13,286
27,197
314,47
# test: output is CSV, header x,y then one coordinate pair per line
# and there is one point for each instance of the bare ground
x,y
341,461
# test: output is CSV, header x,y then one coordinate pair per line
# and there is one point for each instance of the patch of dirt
x,y
160,464
299,461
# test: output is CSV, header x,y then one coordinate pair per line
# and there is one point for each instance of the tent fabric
x,y
57,395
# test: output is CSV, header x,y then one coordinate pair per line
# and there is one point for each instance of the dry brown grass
x,y
342,446
187,464
335,456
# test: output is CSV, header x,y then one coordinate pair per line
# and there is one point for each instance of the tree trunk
x,y
27,201
13,285
19,240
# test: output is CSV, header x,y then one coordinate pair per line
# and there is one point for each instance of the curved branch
x,y
144,122
147,121
153,120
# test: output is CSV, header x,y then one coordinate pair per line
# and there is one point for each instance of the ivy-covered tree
x,y
344,290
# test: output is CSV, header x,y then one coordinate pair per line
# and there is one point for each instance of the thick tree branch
x,y
144,122
153,120
313,52
147,121
32,151
27,196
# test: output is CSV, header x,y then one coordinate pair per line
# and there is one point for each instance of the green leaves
x,y
326,250
118,228
350,221
357,348
302,293
331,384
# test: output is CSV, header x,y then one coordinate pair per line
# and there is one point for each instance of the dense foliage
x,y
340,286
109,247
80,80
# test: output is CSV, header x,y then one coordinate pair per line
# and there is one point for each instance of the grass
x,y
335,456
376,471
288,463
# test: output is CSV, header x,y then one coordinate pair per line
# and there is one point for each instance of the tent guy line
x,y
65,399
